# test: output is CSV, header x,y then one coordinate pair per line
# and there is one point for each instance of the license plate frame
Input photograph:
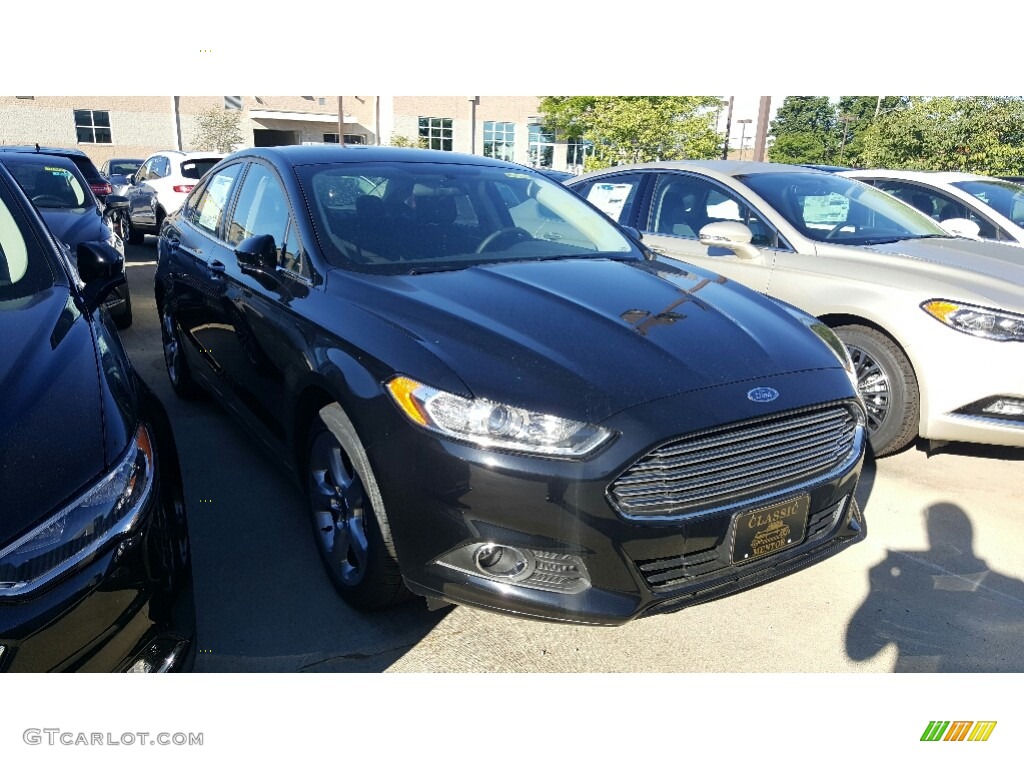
x,y
770,529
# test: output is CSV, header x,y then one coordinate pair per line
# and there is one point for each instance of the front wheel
x,y
347,512
132,234
888,386
174,357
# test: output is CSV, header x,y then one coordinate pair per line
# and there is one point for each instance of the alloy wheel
x,y
340,509
172,347
873,385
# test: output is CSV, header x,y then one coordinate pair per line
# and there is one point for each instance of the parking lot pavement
x,y
938,585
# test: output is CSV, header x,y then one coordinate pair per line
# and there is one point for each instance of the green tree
x,y
803,131
398,140
636,129
218,130
854,115
976,134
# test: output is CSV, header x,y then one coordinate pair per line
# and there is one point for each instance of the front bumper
x,y
442,497
954,371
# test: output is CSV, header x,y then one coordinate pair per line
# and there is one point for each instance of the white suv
x,y
159,188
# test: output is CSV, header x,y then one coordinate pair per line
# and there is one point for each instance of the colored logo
x,y
958,730
762,394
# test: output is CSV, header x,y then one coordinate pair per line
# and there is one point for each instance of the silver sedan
x,y
934,323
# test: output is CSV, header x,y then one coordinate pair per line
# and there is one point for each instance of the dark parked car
x,y
59,191
561,176
558,428
95,572
100,186
118,170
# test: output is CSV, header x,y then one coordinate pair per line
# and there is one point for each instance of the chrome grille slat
x,y
735,461
681,459
745,460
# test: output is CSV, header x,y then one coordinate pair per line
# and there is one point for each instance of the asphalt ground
x,y
938,585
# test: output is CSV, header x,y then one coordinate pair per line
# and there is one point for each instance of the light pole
x,y
847,119
743,133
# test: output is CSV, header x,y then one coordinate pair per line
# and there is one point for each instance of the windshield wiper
x,y
441,268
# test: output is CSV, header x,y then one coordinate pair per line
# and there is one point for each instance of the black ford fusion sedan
x,y
95,572
496,397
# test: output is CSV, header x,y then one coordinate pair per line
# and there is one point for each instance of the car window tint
x,y
262,208
614,195
937,205
209,209
196,169
683,205
49,186
23,270
292,256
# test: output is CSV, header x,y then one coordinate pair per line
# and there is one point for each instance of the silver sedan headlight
x,y
995,324
108,509
494,425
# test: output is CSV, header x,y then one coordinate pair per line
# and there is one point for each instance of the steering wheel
x,y
48,201
837,229
518,232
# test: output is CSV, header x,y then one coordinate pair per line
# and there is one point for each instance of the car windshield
x,y
124,167
50,185
196,169
836,209
23,270
402,217
1004,197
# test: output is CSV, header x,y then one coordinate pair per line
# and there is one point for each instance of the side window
x,y
683,205
208,212
262,209
615,195
291,254
161,167
936,205
143,173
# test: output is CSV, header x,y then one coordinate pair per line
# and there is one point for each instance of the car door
x,y
137,194
679,205
197,257
249,354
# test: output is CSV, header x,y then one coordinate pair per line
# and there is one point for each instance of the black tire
x,y
888,386
350,527
123,319
132,233
178,372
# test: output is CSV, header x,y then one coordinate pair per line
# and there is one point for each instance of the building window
x,y
232,102
330,138
437,131
499,140
577,151
542,147
322,101
355,138
92,126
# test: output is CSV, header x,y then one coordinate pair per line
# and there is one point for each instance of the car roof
x,y
314,154
181,155
37,158
723,167
936,177
35,148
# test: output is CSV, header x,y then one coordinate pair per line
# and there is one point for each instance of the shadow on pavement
x,y
943,609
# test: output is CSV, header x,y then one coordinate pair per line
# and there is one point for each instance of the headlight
x,y
995,324
494,425
108,509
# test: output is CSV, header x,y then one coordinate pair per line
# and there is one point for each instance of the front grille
x,y
731,464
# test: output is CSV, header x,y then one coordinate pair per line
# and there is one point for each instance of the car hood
x,y
587,338
992,272
74,226
51,425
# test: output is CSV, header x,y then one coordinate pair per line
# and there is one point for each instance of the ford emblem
x,y
762,394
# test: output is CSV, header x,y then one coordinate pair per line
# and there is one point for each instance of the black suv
x,y
99,185
95,570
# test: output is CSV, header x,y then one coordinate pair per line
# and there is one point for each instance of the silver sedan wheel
x,y
873,385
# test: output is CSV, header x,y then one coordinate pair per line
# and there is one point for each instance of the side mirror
x,y
635,233
732,235
961,228
116,202
101,269
131,179
258,253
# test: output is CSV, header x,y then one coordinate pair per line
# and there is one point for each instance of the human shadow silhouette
x,y
944,609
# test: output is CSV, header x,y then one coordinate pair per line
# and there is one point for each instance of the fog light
x,y
548,571
1005,407
505,563
161,656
